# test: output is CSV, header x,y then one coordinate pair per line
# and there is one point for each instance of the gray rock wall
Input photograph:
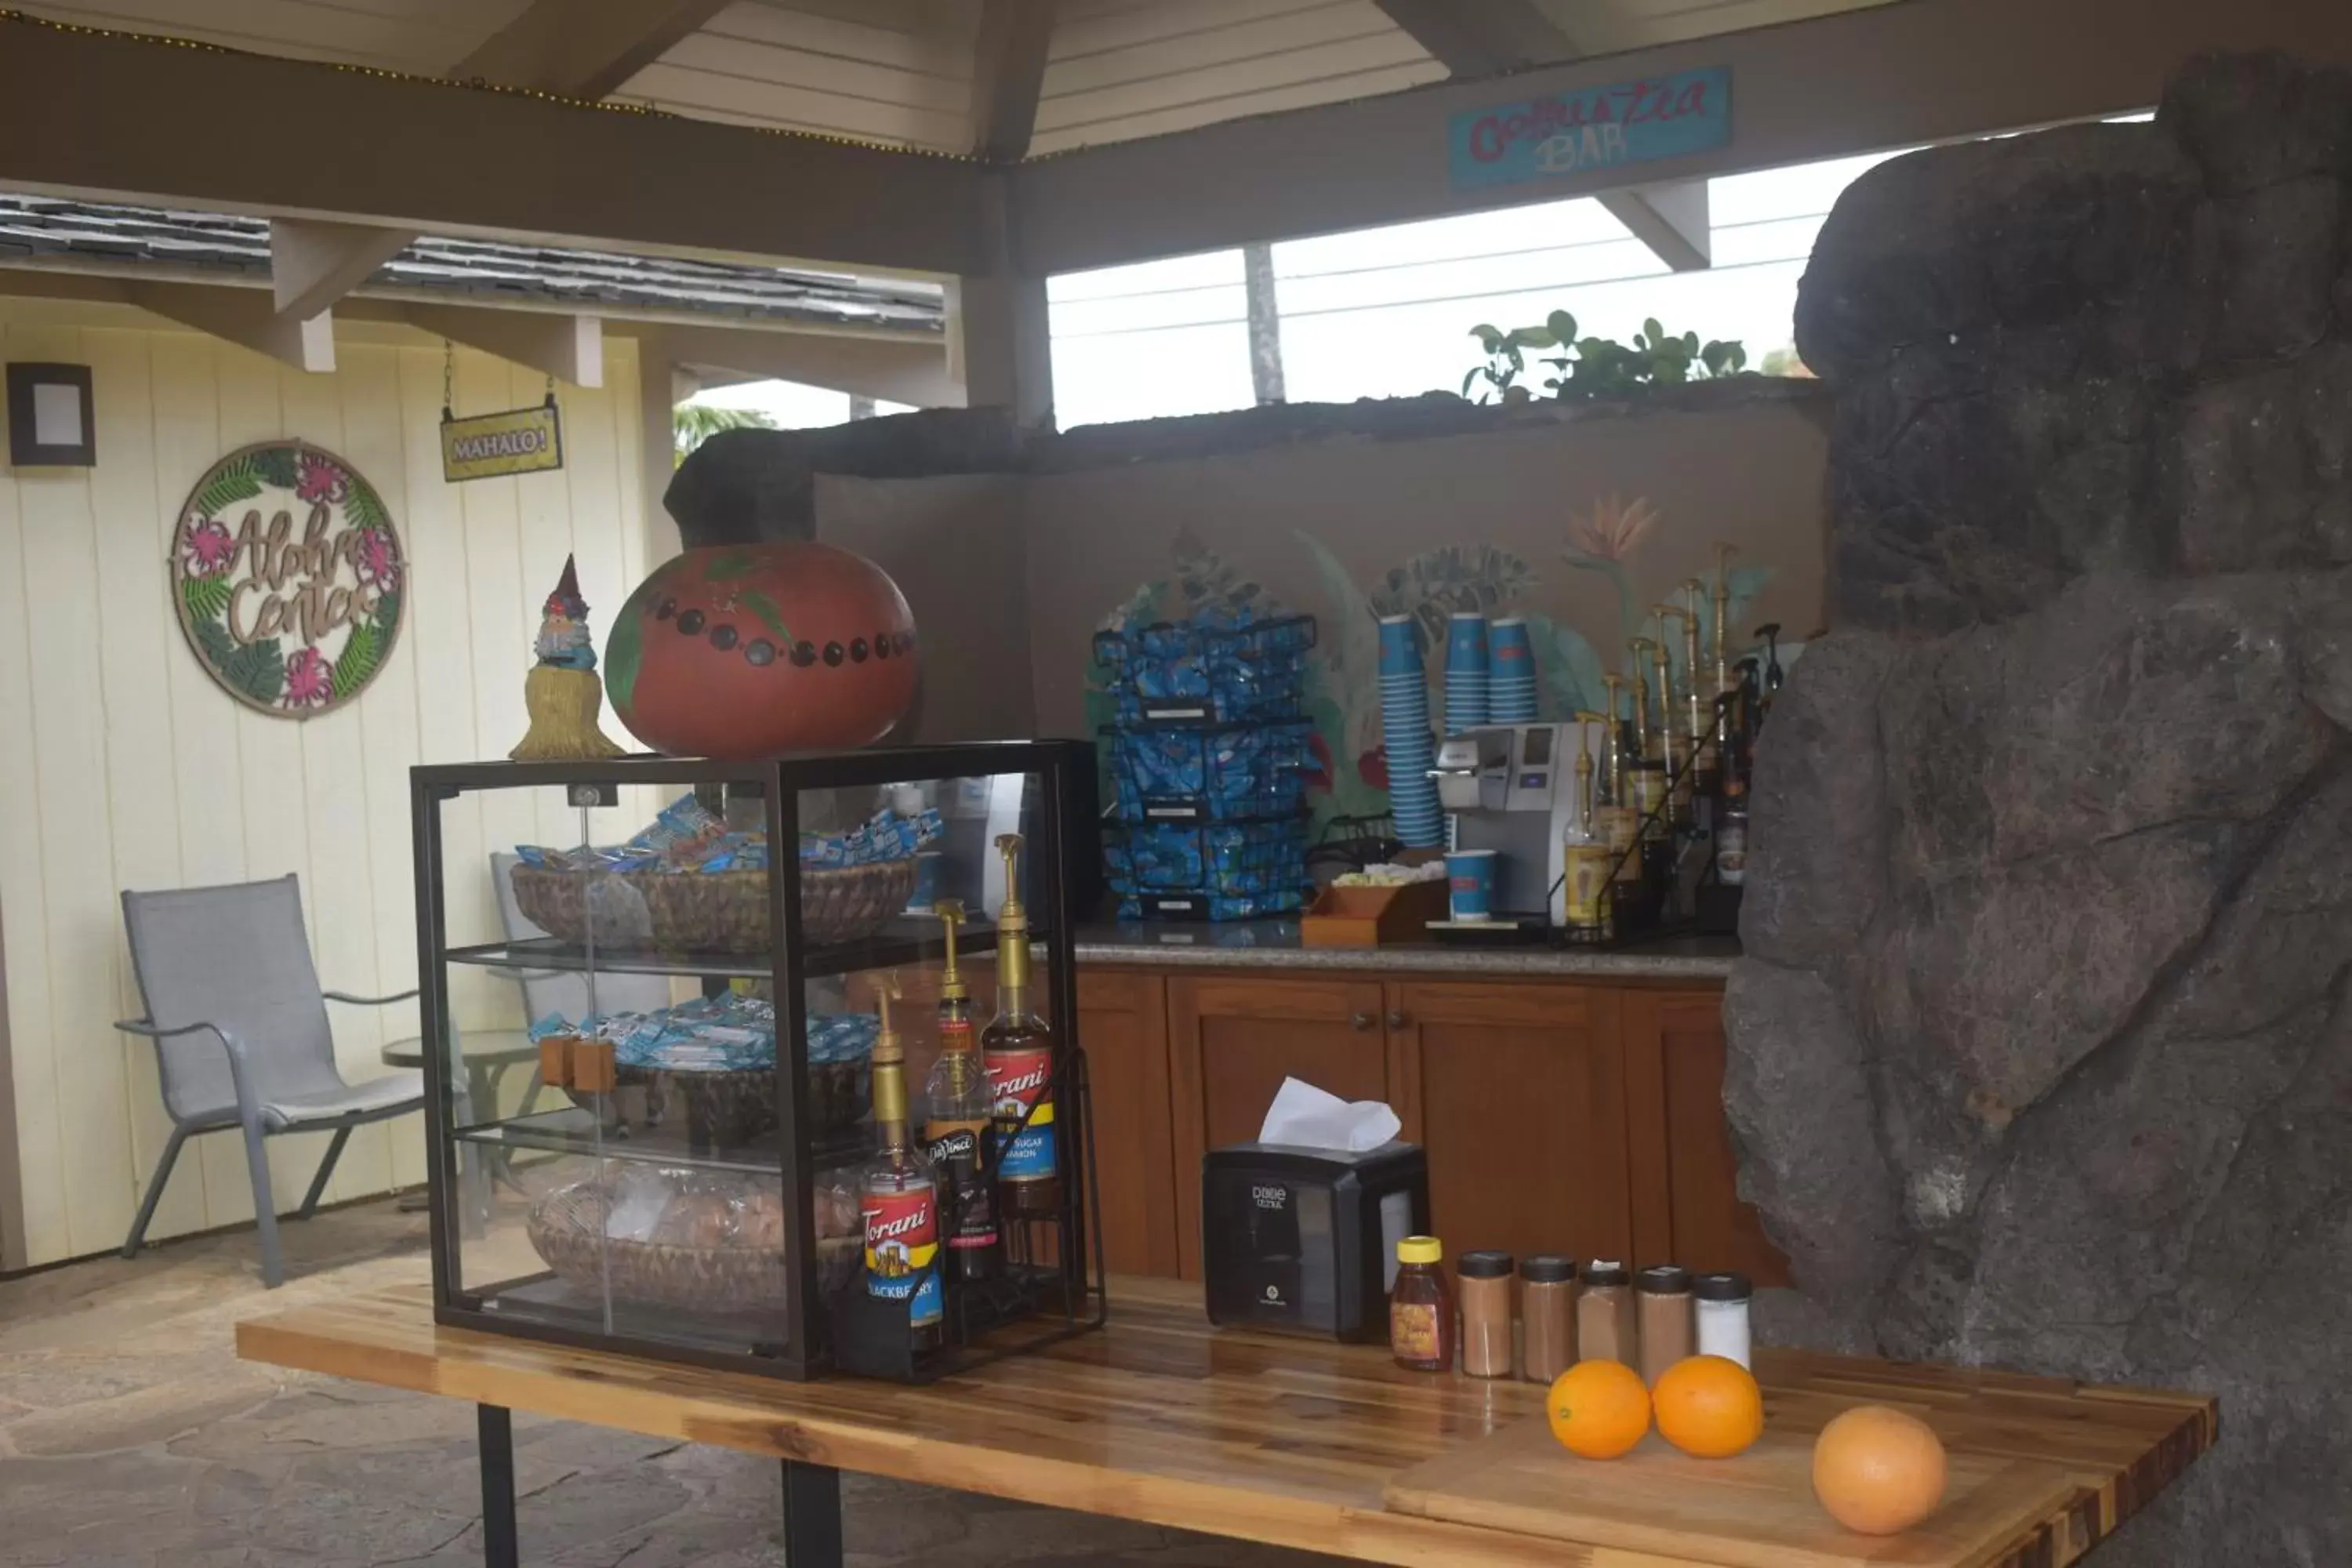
x,y
2042,1054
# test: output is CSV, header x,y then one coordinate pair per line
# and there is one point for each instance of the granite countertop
x,y
1274,945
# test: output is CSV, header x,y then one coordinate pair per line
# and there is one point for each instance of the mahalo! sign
x,y
519,441
289,578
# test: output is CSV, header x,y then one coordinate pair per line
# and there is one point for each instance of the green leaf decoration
x,y
357,661
725,568
1432,586
771,614
624,651
1203,577
388,611
364,507
275,464
206,597
217,645
233,482
258,669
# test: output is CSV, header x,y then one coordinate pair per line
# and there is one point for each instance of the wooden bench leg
x,y
494,1427
812,1515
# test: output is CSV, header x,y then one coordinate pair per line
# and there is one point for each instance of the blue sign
x,y
1598,128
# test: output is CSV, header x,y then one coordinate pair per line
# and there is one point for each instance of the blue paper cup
x,y
1466,641
1400,651
1470,875
1509,647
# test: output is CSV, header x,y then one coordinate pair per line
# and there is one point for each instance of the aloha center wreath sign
x,y
289,578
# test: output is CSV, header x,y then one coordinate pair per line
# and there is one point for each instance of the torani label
x,y
902,1251
1022,1084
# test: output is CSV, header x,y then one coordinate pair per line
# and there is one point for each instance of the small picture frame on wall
x,y
51,421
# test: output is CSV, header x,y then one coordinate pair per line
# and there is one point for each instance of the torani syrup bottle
x,y
897,1196
958,1126
1018,1049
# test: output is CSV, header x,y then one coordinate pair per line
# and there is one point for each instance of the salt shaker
x,y
1722,1315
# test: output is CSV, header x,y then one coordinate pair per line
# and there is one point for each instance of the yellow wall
x,y
122,765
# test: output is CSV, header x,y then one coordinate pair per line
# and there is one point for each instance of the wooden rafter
x,y
583,48
1482,37
1008,71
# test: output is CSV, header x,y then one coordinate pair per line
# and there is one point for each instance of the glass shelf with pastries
x,y
709,1022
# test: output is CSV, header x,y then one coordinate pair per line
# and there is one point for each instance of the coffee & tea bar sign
x,y
289,578
1595,128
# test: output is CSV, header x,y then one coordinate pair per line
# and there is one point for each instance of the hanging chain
x,y
449,379
550,389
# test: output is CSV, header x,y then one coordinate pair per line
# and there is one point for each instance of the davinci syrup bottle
x,y
958,1127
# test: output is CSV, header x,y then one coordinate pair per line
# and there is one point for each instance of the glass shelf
x,y
909,939
572,1130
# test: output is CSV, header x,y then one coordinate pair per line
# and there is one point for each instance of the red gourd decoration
x,y
749,650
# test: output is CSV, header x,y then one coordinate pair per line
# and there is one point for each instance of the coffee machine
x,y
1513,788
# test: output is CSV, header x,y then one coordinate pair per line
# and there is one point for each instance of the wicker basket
x,y
566,1226
708,911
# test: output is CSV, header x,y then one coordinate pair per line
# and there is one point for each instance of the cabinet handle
x,y
1364,1022
1398,1020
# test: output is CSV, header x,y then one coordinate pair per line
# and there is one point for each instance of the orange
x,y
1709,1406
1878,1470
1598,1408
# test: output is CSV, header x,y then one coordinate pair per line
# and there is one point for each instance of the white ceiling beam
x,y
1857,81
1008,70
314,264
583,48
77,117
913,372
1497,36
246,317
1672,220
569,348
1482,37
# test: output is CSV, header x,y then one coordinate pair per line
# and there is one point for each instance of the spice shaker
x,y
1722,1315
1485,1286
1604,1314
1421,1308
1663,1303
1547,1316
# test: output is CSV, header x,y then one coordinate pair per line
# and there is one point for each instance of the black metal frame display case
x,y
691,1213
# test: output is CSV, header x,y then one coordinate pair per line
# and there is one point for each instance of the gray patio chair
x,y
241,1037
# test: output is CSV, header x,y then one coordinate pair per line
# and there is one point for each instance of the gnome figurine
x,y
561,692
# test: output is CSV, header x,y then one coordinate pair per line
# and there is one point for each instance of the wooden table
x,y
1161,1419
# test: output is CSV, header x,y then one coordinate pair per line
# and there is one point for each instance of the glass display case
x,y
806,1093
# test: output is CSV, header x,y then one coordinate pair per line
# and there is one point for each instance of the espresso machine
x,y
1512,788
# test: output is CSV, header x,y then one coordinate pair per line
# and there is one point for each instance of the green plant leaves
x,y
256,670
206,597
275,464
362,651
1594,367
364,507
233,482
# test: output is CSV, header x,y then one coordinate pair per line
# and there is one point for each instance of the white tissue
x,y
1306,1117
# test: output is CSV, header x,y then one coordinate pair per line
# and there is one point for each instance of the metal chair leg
x,y
265,1207
326,1168
155,1184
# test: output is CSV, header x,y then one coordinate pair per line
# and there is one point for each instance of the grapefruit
x,y
1878,1470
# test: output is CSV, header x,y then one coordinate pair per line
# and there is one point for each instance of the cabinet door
x,y
1685,1178
1231,1041
1123,1027
1517,1092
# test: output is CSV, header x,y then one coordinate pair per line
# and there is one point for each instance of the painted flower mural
x,y
309,678
206,548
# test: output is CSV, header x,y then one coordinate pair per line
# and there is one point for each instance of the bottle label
x,y
1021,1082
902,1251
958,1153
1412,1332
1731,852
955,1034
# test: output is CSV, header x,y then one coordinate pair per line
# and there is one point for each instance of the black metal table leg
x,y
495,1427
812,1515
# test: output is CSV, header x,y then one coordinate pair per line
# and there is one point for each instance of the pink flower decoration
x,y
208,547
321,481
308,678
375,562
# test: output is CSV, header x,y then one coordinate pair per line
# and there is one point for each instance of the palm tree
x,y
692,423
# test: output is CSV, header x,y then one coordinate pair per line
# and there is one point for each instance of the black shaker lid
x,y
1487,1265
1547,1268
1663,1279
1722,1288
1601,1272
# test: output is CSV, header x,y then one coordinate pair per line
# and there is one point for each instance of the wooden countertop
x,y
1163,1419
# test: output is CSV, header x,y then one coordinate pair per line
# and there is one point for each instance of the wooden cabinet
x,y
1231,1041
1684,1177
1123,1025
1517,1093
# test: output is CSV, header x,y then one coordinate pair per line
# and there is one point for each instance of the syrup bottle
x,y
897,1194
958,1127
1018,1050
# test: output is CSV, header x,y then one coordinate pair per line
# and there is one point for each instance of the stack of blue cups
x,y
1465,672
1511,678
1404,712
